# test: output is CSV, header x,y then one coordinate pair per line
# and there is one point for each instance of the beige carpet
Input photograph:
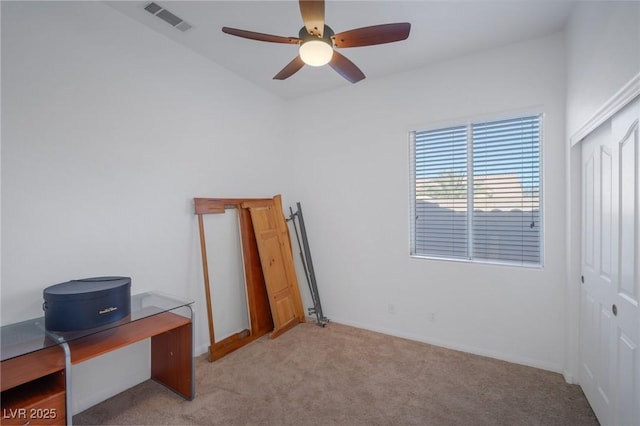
x,y
341,375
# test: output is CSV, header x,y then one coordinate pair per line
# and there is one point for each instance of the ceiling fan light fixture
x,y
316,41
316,52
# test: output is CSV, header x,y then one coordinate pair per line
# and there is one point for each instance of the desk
x,y
35,368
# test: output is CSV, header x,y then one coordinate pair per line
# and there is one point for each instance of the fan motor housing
x,y
327,35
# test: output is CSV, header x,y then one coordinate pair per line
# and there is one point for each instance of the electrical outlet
x,y
432,317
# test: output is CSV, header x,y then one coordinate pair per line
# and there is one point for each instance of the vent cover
x,y
152,8
168,17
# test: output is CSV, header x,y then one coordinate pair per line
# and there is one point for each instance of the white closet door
x,y
598,256
610,295
626,297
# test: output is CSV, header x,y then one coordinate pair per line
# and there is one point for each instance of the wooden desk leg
x,y
172,360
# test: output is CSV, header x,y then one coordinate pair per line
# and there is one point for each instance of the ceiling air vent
x,y
165,15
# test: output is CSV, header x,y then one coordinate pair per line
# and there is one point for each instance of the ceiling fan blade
x,y
260,36
376,34
291,68
346,68
312,12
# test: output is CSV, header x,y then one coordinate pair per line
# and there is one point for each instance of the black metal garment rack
x,y
307,264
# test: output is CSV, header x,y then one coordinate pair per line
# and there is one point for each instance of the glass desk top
x,y
29,336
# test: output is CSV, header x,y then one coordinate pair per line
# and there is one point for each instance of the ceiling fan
x,y
317,41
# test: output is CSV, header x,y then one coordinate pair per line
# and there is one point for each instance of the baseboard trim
x,y
568,377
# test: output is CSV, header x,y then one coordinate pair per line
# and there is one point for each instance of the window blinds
x,y
441,193
496,217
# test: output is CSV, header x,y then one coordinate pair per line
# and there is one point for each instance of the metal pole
x,y
312,310
313,285
304,262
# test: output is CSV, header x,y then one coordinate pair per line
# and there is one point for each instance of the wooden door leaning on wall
x,y
273,297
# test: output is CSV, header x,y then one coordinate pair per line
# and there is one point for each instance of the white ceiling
x,y
440,30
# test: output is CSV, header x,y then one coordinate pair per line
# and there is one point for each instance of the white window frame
x,y
468,123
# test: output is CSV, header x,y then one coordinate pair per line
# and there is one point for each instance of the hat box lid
x,y
85,288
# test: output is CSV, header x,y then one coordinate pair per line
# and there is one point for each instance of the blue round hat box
x,y
86,303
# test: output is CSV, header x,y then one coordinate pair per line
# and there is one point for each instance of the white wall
x,y
351,160
603,54
108,132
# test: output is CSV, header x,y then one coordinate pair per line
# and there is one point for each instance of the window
x,y
476,192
